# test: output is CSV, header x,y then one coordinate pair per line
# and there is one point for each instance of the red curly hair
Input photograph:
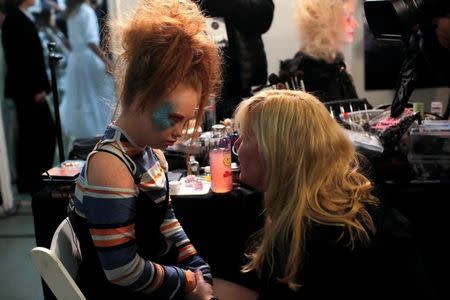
x,y
164,44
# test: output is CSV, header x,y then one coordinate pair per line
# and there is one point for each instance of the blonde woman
x,y
325,27
325,236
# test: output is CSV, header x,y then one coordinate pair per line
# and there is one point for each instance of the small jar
x,y
194,166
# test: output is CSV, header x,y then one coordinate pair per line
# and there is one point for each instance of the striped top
x,y
111,215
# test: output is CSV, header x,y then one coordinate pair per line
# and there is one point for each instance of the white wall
x,y
282,42
116,7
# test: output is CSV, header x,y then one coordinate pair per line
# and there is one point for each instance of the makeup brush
x,y
274,79
285,78
300,75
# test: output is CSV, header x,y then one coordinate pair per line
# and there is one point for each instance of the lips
x,y
169,143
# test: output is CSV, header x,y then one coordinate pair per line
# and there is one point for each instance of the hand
x,y
40,97
443,31
202,291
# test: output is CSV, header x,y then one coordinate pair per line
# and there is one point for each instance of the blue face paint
x,y
161,118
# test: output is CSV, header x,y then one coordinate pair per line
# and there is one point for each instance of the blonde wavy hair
x,y
312,175
320,27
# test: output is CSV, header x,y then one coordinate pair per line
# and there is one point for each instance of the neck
x,y
130,126
25,5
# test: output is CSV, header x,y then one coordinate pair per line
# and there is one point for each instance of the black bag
x,y
82,147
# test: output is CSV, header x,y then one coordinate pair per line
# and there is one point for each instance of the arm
x,y
92,36
174,233
187,255
253,16
102,55
110,213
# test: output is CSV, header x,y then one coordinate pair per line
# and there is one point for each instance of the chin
x,y
243,180
250,183
350,38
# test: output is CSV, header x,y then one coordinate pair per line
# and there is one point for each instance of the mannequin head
x,y
325,26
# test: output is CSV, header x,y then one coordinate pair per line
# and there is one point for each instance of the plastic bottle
x,y
194,165
220,160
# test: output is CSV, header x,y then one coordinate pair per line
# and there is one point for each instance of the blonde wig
x,y
312,175
320,26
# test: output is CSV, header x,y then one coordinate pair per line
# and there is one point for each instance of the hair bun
x,y
160,22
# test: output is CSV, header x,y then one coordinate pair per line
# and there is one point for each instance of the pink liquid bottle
x,y
220,160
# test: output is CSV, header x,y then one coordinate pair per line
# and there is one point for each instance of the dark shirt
x,y
437,57
388,268
327,81
26,73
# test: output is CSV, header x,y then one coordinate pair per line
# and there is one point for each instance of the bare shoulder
x,y
162,159
105,169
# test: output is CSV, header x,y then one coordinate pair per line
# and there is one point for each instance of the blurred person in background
x,y
436,48
57,7
27,84
325,27
89,88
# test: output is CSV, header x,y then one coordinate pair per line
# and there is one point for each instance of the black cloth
x,y
26,72
220,227
327,81
49,208
25,77
437,57
389,267
245,62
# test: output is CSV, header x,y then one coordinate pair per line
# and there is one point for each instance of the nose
x,y
354,23
177,132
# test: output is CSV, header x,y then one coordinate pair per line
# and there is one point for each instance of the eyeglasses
x,y
234,150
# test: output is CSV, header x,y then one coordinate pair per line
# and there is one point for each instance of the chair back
x,y
55,274
58,265
66,247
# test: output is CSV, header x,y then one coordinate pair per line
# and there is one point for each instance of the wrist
x,y
208,280
191,282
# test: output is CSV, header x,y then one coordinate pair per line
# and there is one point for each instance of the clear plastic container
x,y
194,166
429,150
355,120
430,167
220,160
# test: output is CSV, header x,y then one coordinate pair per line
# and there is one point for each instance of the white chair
x,y
59,265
